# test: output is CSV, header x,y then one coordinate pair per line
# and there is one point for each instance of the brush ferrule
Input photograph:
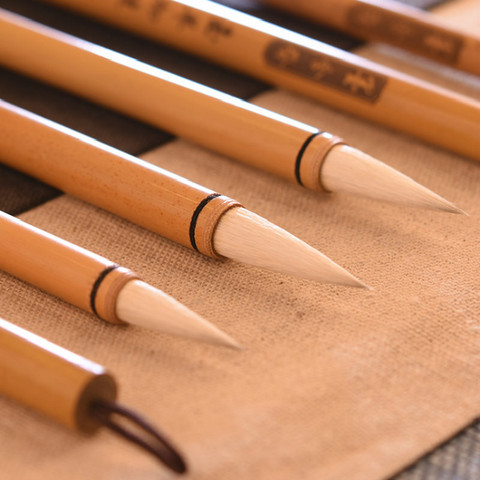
x,y
311,158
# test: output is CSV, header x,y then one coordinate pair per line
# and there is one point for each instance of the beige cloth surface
x,y
335,383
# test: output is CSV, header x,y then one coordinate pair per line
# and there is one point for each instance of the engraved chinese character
x,y
358,82
157,8
216,29
287,55
440,44
320,67
187,19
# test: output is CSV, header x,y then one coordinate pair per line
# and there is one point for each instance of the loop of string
x,y
150,438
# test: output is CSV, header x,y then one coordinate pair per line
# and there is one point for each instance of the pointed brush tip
x,y
349,280
218,337
449,207
353,171
232,343
143,305
237,346
214,336
359,284
459,211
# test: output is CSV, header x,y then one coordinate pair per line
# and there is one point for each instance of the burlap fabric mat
x,y
334,383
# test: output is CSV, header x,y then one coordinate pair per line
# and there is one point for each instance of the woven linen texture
x,y
334,383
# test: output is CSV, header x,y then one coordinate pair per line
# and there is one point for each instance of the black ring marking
x,y
196,213
96,286
300,156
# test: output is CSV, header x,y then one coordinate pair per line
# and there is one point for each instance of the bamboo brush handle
x,y
286,59
67,271
50,379
390,22
223,123
147,195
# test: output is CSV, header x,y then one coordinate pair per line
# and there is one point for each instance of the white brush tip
x,y
138,303
349,170
248,238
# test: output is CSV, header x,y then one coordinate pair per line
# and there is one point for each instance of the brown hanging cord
x,y
152,441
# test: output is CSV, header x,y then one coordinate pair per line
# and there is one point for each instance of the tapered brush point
x,y
140,304
346,169
246,237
